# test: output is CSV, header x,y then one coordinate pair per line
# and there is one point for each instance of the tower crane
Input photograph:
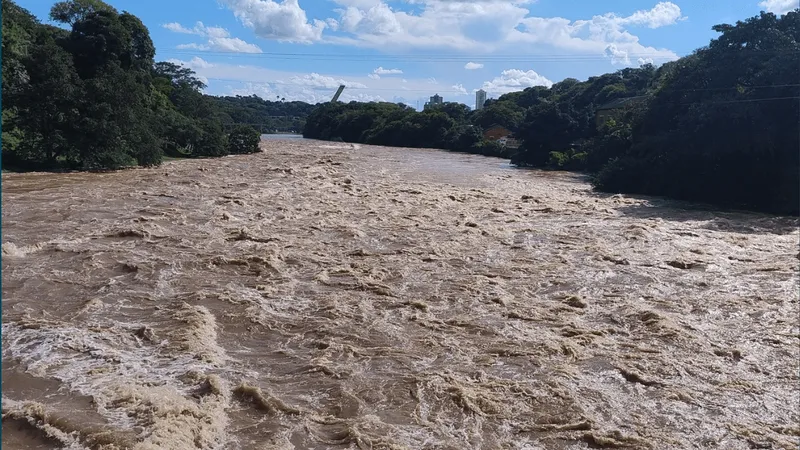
x,y
338,93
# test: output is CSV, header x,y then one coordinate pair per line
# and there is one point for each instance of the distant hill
x,y
264,115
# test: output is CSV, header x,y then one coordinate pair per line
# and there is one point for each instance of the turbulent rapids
x,y
324,296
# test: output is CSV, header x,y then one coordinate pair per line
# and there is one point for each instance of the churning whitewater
x,y
329,296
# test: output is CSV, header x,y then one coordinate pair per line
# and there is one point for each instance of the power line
x,y
413,58
452,91
763,86
328,88
396,55
430,57
740,101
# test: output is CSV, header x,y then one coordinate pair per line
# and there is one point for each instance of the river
x,y
337,296
281,137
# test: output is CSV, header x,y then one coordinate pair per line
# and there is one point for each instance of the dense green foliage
x,y
722,125
91,96
718,126
243,139
445,126
263,115
81,98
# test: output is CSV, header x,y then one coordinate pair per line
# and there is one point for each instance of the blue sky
x,y
408,50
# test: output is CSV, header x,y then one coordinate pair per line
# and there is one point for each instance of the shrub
x,y
558,160
243,140
567,160
486,147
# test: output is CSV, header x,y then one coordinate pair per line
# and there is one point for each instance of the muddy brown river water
x,y
328,296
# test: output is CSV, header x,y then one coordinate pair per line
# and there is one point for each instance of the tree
x,y
19,28
709,135
46,115
113,55
98,41
72,11
505,113
174,75
212,141
547,127
142,50
613,141
456,111
268,115
242,140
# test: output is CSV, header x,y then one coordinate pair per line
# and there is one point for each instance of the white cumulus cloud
x,y
382,71
603,34
219,39
473,66
233,45
779,7
663,14
323,81
377,20
485,26
193,46
459,88
512,80
617,55
194,63
283,21
177,28
332,23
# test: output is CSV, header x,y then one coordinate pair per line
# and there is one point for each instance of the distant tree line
x,y
717,126
278,116
90,96
447,126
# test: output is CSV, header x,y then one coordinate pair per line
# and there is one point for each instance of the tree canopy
x,y
446,126
268,116
721,126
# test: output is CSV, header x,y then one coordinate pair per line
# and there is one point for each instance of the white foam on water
x,y
127,378
95,364
11,249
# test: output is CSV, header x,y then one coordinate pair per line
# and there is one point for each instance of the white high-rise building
x,y
480,99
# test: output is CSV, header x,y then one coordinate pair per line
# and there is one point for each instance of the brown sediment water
x,y
333,296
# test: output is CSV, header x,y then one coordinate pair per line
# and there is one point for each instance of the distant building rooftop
x,y
497,126
496,131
